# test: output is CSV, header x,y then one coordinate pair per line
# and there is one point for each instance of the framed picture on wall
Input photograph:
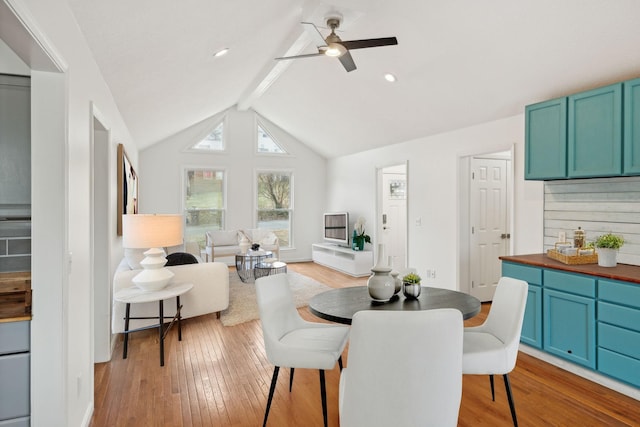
x,y
127,187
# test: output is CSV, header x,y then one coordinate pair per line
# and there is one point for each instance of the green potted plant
x,y
411,285
359,235
607,246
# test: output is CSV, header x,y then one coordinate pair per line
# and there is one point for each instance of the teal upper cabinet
x,y
632,127
546,140
594,135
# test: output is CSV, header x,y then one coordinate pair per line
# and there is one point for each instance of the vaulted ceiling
x,y
458,63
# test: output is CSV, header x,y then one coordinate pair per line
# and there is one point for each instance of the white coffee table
x,y
135,295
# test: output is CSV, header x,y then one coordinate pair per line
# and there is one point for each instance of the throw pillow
x,y
180,258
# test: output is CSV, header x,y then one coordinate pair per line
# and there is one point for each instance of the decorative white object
x,y
607,257
245,244
152,231
380,284
397,280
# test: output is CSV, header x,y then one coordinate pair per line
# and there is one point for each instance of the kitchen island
x,y
584,314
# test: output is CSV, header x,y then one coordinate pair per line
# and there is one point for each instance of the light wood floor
x,y
219,376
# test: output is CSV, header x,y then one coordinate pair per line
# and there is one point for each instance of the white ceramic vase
x,y
381,285
396,280
607,257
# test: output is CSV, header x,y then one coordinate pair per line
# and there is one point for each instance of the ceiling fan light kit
x,y
333,46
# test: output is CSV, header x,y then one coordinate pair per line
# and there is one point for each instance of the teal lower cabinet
x,y
532,323
619,330
581,315
569,327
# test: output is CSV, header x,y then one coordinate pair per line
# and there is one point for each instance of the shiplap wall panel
x,y
598,206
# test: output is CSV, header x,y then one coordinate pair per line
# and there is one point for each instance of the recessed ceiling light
x,y
390,77
221,52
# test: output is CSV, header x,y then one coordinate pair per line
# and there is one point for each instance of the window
x,y
204,203
266,144
212,142
274,202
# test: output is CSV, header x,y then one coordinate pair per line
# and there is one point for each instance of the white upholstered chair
x,y
293,342
405,369
492,348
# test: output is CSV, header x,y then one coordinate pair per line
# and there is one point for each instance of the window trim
x,y
259,122
201,135
225,185
291,209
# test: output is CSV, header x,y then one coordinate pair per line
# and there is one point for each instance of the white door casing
x,y
489,220
392,218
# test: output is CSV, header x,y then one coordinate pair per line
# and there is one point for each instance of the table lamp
x,y
154,232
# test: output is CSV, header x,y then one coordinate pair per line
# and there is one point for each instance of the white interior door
x,y
392,229
489,221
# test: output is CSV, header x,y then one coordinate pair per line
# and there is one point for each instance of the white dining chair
x,y
492,348
405,369
293,342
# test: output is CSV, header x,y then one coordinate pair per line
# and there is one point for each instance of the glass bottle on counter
x,y
579,238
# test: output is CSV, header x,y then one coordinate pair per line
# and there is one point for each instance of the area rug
x,y
242,297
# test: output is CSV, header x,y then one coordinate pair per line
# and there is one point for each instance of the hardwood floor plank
x,y
220,376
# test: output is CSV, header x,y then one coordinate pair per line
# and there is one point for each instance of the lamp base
x,y
154,276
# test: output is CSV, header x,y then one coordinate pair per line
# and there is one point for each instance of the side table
x,y
245,263
135,295
268,268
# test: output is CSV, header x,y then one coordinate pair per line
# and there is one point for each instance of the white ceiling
x,y
458,63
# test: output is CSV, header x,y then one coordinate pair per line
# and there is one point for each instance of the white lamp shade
x,y
151,231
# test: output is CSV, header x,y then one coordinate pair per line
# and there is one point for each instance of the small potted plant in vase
x,y
411,285
607,246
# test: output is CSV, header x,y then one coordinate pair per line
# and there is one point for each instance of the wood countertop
x,y
623,272
15,296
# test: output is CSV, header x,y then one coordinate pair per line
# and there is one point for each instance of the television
x,y
336,228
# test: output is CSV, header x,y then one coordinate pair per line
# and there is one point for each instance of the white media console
x,y
346,260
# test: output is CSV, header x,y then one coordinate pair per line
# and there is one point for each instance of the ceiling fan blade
x,y
306,55
315,34
347,62
361,44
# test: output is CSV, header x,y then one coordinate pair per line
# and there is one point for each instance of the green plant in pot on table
x,y
607,246
411,286
359,236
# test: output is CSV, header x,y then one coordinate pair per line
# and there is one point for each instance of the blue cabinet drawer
x,y
619,366
14,337
620,340
619,292
619,315
572,283
531,275
14,387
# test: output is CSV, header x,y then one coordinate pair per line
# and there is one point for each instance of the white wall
x,y
433,171
62,353
162,168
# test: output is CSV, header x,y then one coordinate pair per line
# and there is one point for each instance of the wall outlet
x,y
431,274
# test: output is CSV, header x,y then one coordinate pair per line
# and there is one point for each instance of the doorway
x,y
392,213
485,226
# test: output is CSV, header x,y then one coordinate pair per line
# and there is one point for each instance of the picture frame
x,y
127,187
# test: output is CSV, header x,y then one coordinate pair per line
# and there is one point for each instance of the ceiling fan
x,y
333,46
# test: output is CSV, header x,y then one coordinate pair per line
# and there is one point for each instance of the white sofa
x,y
224,243
210,293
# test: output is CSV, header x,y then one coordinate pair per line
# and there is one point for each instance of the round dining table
x,y
339,305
